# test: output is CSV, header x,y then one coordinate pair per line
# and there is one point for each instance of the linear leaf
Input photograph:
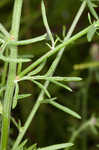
x,y
46,22
65,109
1,41
21,96
92,10
62,85
29,41
33,147
15,96
37,70
94,129
89,18
67,79
42,87
1,108
17,60
56,147
22,144
4,31
91,33
26,56
3,47
15,123
2,89
48,100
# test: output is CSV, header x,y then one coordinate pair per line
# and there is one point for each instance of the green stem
x,y
27,123
11,76
4,31
84,91
87,124
79,13
30,41
77,132
50,73
4,73
56,49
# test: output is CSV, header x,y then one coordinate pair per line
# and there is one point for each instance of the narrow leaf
x,y
65,109
29,41
2,89
91,33
57,146
94,130
33,147
89,18
62,85
37,70
48,100
1,41
15,123
64,31
46,22
1,108
43,88
92,10
19,68
22,144
3,47
26,56
21,96
4,31
15,96
8,59
67,79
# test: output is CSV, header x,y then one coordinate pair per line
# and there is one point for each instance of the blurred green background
x,y
51,126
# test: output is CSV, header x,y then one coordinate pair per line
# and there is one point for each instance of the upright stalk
x,y
50,73
84,94
11,76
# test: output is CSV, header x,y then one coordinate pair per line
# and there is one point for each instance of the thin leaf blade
x,y
57,146
43,88
62,85
15,96
65,109
91,33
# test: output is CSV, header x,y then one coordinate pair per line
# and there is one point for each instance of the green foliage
x,y
15,72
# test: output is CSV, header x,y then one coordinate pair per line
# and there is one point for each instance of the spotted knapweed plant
x,y
13,74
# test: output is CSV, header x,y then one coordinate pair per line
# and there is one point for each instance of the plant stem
x,y
4,31
56,49
84,93
83,127
77,132
4,73
79,13
11,76
50,73
31,116
29,41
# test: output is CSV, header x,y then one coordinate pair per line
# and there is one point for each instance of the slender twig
x,y
29,41
4,31
57,48
11,76
83,127
51,72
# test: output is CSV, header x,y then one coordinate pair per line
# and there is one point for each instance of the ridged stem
x,y
11,77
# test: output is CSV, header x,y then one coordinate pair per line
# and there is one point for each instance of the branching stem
x,y
11,76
